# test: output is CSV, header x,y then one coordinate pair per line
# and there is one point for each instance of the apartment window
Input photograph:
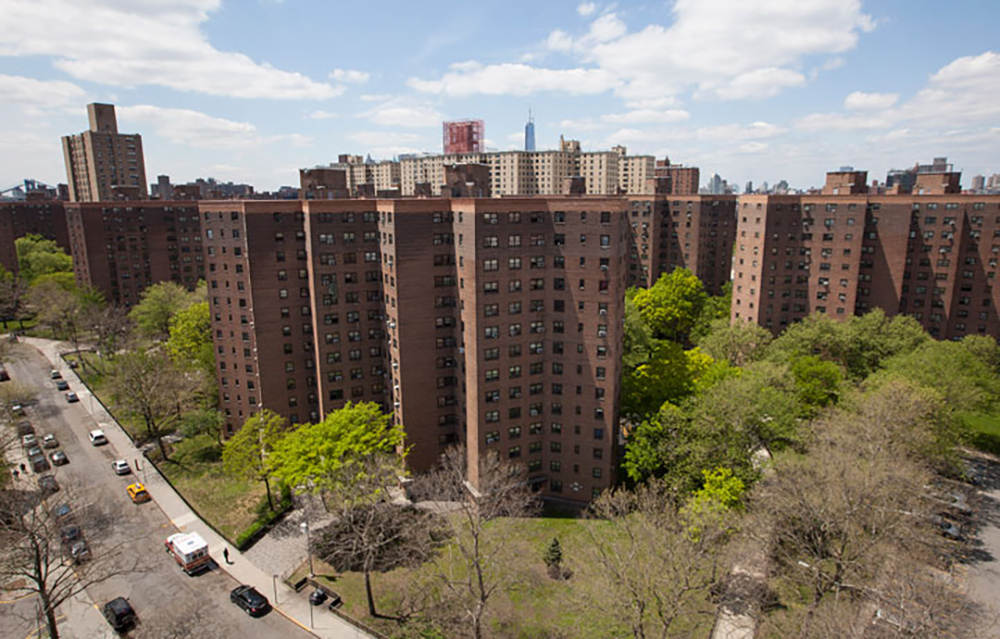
x,y
514,263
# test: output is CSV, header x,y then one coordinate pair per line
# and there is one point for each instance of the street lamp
x,y
304,526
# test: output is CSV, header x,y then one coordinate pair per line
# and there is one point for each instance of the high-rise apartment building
x,y
121,247
693,231
491,322
683,180
103,164
931,254
466,136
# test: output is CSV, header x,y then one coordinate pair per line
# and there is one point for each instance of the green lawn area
x,y
984,431
538,606
195,469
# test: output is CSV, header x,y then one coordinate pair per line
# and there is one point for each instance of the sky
x,y
252,90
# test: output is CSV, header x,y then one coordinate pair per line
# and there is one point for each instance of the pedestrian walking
x,y
24,469
225,553
16,474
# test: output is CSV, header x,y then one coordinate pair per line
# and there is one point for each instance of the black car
x,y
317,597
251,601
70,534
62,385
48,484
119,614
39,464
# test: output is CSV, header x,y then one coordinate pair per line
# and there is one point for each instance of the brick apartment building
x,y
495,322
103,164
44,217
122,247
690,231
931,254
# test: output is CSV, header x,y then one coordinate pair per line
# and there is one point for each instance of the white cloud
x,y
408,116
652,103
200,130
582,124
375,97
36,94
646,116
586,9
350,75
158,43
752,147
760,83
840,122
730,49
867,101
322,115
738,132
515,79
387,143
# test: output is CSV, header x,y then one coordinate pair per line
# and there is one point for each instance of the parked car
x,y
121,467
35,451
62,384
317,597
97,437
119,614
29,441
50,441
48,484
24,427
63,511
79,551
17,410
4,375
138,493
58,458
71,397
252,602
70,533
55,374
39,464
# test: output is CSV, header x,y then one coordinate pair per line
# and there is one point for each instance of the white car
x,y
97,437
121,467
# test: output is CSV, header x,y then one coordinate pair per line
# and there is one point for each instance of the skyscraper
x,y
103,164
529,133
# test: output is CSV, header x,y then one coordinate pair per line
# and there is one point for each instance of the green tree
x,y
717,307
190,342
962,378
861,345
738,343
38,256
985,349
722,488
818,380
672,306
247,453
637,339
553,558
668,376
63,311
320,456
159,303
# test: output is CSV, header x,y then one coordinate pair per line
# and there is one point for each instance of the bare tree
x,y
148,386
111,327
654,563
480,525
59,309
35,560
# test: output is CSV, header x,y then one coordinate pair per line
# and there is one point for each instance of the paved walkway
x,y
286,601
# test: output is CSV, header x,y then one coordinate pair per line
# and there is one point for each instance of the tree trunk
x,y
368,591
50,615
270,502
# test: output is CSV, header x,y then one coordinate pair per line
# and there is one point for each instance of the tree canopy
x,y
37,256
673,305
159,303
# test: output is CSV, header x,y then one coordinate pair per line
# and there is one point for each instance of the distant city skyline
x,y
251,92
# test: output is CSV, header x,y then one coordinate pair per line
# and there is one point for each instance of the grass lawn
x,y
537,607
195,469
985,431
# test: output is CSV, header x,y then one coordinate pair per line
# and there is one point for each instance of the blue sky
x,y
251,91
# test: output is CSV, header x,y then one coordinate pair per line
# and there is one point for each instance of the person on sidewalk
x,y
24,469
16,474
225,553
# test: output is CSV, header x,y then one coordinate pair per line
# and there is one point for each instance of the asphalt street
x,y
168,602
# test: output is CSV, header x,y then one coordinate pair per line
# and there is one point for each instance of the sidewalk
x,y
286,601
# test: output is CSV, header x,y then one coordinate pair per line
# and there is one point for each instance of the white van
x,y
97,437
